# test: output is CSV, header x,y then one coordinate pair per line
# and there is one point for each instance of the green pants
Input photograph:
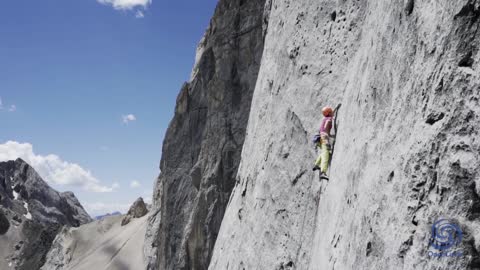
x,y
324,157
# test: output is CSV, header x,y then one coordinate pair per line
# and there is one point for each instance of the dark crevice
x,y
474,212
470,11
4,223
298,176
432,118
467,60
405,247
369,249
390,177
333,16
409,7
415,221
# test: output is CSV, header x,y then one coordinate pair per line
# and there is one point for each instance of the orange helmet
x,y
327,111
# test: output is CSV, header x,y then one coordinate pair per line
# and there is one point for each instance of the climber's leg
x,y
318,162
324,157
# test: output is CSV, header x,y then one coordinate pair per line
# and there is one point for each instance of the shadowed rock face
x,y
407,149
4,224
35,212
45,204
201,151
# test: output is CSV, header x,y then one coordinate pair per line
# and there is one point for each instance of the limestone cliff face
x,y
201,151
407,149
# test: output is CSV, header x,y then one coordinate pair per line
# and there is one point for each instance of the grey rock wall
x,y
407,149
201,150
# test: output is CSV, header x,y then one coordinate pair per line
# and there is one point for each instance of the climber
x,y
323,141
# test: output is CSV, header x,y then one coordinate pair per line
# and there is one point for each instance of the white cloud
x,y
52,169
139,14
126,4
128,118
100,208
11,108
135,184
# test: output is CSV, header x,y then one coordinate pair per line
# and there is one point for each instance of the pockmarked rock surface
x,y
31,214
201,150
407,149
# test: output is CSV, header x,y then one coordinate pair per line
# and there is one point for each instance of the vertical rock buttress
x,y
201,150
407,148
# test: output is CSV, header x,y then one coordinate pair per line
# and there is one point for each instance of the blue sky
x,y
71,71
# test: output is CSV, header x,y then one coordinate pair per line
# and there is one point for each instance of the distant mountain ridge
x,y
34,213
107,215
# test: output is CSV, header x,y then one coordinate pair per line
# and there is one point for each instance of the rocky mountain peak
x,y
137,210
31,213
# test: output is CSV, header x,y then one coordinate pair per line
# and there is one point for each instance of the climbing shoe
x,y
316,168
323,176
